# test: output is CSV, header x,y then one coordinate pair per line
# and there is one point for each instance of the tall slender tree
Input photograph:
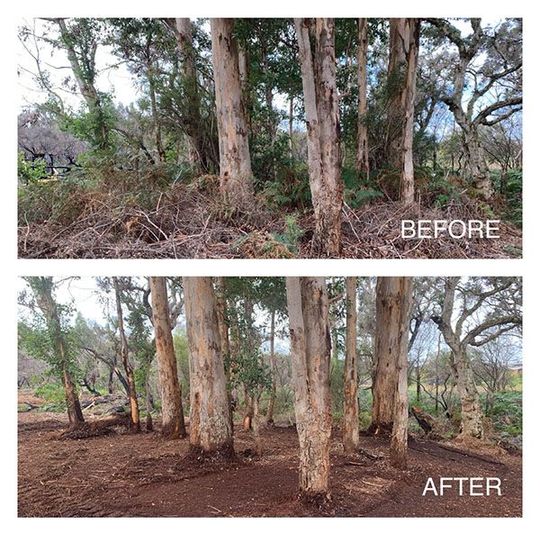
x,y
236,180
307,303
398,442
362,154
402,66
316,48
134,421
350,372
172,412
43,290
210,421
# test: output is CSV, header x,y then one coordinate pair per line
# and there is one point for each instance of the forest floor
x,y
122,474
183,222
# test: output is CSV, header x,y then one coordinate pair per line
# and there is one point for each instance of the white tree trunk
x,y
235,163
402,66
350,379
398,443
210,423
316,45
362,156
172,415
307,303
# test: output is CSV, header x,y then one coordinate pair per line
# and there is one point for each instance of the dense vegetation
x,y
433,133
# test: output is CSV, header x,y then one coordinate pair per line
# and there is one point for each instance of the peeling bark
x,y
210,422
398,442
172,413
316,46
362,155
388,340
350,378
235,163
402,65
307,302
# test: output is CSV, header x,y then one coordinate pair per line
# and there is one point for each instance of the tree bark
x,y
398,442
134,421
307,302
42,288
210,422
350,379
235,163
316,45
362,155
402,65
273,370
388,339
172,412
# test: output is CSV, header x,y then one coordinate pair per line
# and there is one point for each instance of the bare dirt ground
x,y
143,475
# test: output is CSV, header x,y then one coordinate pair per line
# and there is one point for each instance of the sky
x,y
116,80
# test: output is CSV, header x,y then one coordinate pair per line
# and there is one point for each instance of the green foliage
x,y
506,412
54,396
249,370
27,171
291,235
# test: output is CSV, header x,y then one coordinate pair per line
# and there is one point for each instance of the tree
x,y
134,421
316,49
362,154
307,303
402,64
234,158
502,299
172,412
350,376
398,442
484,88
392,310
210,422
43,290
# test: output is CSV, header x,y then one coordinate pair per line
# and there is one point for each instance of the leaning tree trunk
x,y
362,154
350,379
210,422
134,421
235,163
307,303
172,412
402,66
398,443
316,46
388,338
42,288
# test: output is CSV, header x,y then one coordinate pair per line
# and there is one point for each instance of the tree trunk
x,y
134,422
388,339
402,65
398,442
273,370
210,423
172,412
194,135
42,288
475,162
316,45
350,379
471,410
307,302
362,155
235,164
148,402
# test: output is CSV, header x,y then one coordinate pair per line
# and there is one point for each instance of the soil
x,y
120,474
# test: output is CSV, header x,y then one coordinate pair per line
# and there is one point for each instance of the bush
x,y
54,396
30,171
